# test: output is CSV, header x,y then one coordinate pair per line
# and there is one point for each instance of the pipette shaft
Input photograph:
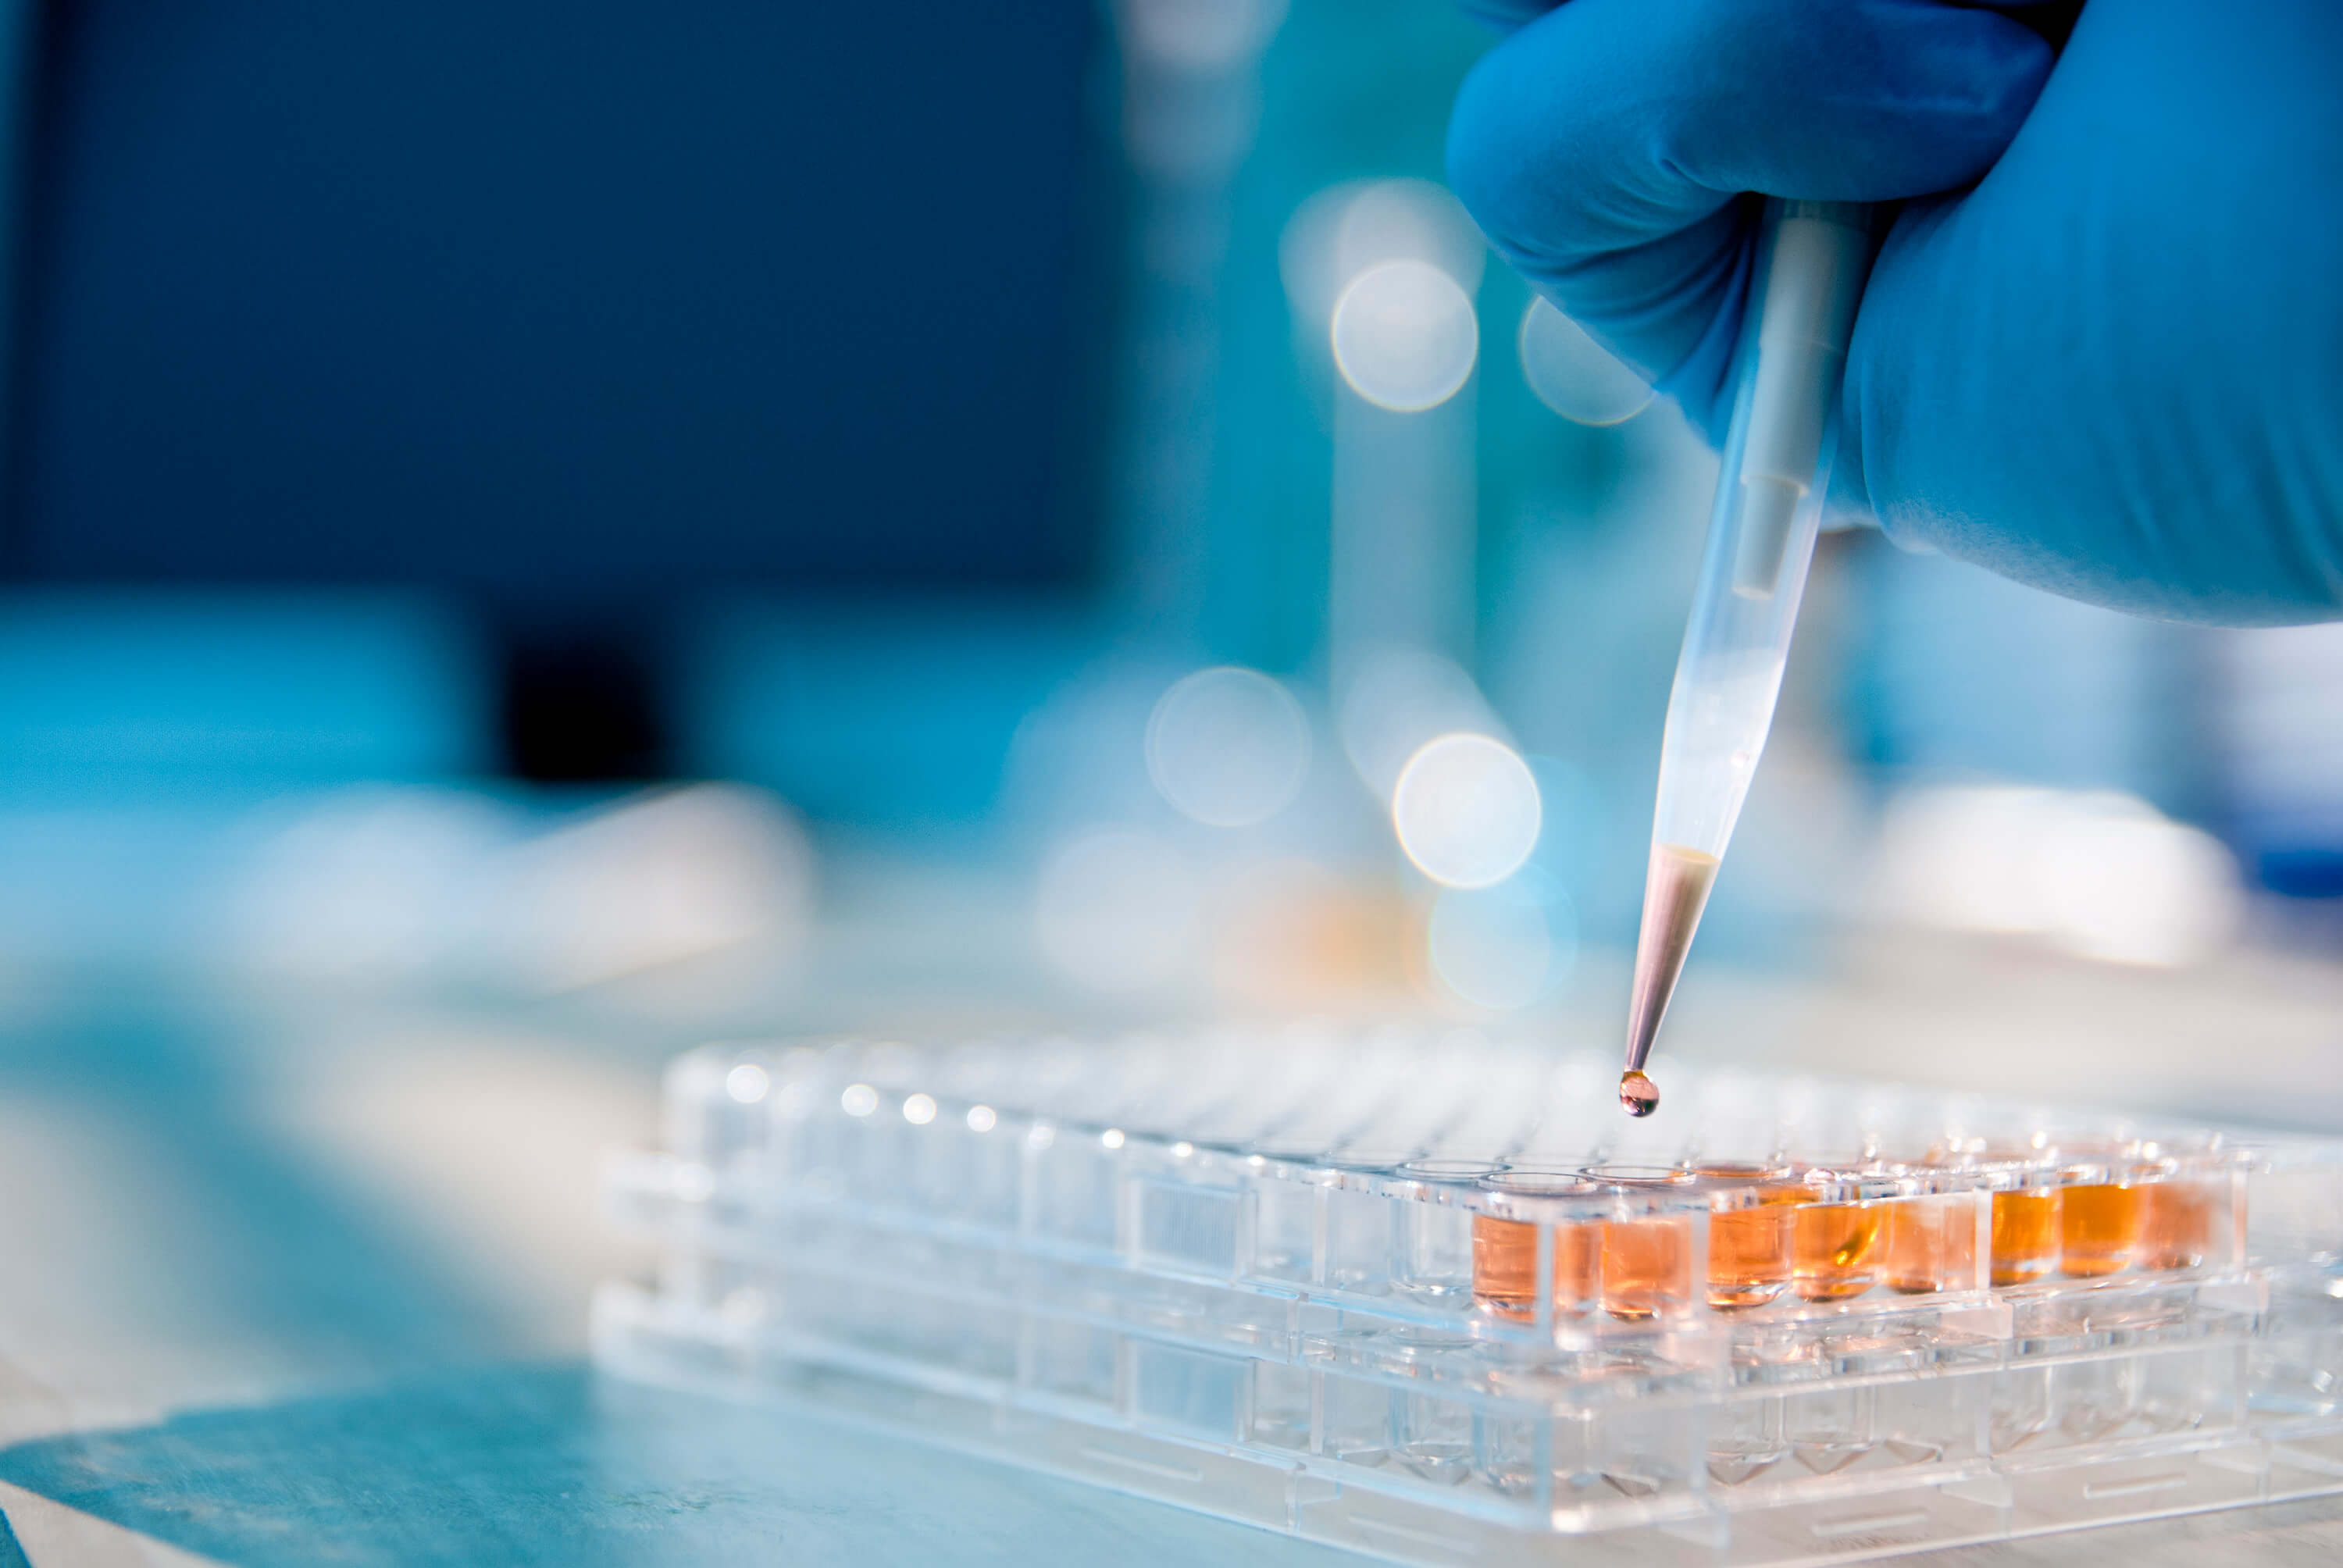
x,y
1790,364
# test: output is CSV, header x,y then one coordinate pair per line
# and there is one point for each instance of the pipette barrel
x,y
1815,278
1788,371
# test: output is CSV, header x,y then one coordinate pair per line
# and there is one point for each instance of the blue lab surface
x,y
517,1464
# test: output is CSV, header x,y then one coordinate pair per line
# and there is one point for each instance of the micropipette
x,y
1812,260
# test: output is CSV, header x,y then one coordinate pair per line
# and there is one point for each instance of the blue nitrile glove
x,y
2108,363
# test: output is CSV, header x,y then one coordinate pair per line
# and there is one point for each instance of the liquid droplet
x,y
1638,1093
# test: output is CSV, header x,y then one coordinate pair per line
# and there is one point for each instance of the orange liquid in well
x,y
2098,1227
1504,1266
1930,1245
1832,1249
1646,1266
1748,1254
2025,1235
2175,1224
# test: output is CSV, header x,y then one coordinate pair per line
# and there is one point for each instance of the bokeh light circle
x,y
1228,747
1404,335
1466,810
1575,376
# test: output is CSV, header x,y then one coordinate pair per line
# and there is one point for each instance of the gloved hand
x,y
2102,348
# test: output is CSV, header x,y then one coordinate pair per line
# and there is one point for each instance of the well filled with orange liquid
x,y
1930,1245
1646,1266
1832,1247
1748,1253
2098,1227
1504,1267
2024,1234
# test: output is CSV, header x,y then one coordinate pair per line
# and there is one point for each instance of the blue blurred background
x,y
535,535
433,419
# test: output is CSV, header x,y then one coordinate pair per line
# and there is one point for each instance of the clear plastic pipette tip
x,y
1675,891
1775,469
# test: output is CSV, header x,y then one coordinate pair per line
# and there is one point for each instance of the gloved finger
x,y
2115,368
1604,147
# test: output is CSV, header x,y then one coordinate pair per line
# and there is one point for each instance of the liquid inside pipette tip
x,y
1638,1094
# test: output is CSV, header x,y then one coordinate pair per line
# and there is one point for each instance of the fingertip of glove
x,y
1959,81
1485,171
1512,112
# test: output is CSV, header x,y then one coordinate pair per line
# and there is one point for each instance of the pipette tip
x,y
1675,891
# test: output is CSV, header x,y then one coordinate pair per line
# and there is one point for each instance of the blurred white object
x,y
655,880
1404,335
2096,874
1228,747
1466,810
371,885
1118,911
1575,376
415,886
1210,36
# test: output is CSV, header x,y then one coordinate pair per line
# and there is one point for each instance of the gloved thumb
x,y
1604,147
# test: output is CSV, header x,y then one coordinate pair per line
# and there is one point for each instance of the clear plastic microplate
x,y
1435,1299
